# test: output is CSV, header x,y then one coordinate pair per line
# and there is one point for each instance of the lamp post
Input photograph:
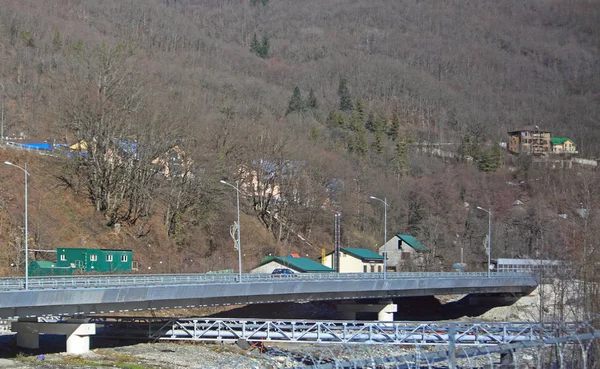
x,y
239,245
489,248
3,100
384,201
26,228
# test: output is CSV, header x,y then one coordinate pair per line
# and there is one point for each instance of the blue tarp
x,y
33,145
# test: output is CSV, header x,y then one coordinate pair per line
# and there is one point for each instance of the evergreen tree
x,y
401,157
469,147
351,143
265,48
336,119
56,40
255,45
311,102
380,123
296,104
490,160
344,95
360,110
370,124
377,145
362,146
356,122
260,48
394,128
415,214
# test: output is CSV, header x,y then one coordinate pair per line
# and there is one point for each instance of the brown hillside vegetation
x,y
311,107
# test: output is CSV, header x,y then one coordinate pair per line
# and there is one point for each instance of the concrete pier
x,y
78,334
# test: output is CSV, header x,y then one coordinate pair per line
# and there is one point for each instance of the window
x,y
109,258
364,268
372,268
123,258
93,257
379,268
63,257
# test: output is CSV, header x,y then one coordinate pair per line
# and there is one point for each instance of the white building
x,y
403,249
354,260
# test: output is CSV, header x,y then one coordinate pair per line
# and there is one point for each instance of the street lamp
x,y
489,247
3,100
26,229
239,245
384,201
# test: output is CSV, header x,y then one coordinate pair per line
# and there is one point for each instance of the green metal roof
x,y
44,263
412,242
559,140
363,254
304,265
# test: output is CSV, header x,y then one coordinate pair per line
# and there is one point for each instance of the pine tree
x,y
344,95
356,122
370,124
260,48
296,104
401,157
265,48
255,45
377,145
360,110
394,129
362,146
311,102
490,160
336,119
469,148
56,40
380,123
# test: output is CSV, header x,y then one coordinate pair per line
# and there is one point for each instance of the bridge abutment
x,y
385,309
78,334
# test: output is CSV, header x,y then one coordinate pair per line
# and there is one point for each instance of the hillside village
x,y
130,115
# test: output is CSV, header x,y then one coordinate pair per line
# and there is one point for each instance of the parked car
x,y
282,271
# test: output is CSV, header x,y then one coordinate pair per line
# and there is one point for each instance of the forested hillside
x,y
311,107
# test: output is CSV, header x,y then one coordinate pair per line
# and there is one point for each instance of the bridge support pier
x,y
385,310
78,334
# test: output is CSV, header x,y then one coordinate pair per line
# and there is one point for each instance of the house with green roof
x,y
563,145
404,251
296,264
355,260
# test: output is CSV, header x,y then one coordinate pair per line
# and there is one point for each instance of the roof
x,y
91,249
559,140
412,242
363,254
304,265
44,263
529,129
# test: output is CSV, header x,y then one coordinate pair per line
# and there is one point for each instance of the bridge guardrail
x,y
104,281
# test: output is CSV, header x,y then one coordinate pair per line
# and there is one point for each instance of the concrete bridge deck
x,y
75,295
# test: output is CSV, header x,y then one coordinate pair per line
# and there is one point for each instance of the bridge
x,y
76,296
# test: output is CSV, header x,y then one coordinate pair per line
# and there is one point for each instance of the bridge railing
x,y
124,280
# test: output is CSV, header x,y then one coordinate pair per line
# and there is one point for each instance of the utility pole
x,y
3,101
